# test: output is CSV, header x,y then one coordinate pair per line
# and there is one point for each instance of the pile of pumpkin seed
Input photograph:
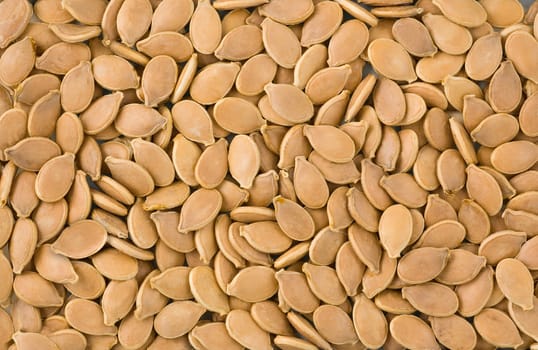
x,y
268,174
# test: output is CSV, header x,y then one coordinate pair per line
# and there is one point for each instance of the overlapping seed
x,y
221,174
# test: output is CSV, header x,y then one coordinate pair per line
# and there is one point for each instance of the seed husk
x,y
398,67
515,281
253,284
295,292
404,329
281,43
370,323
177,318
241,326
322,24
497,328
412,266
334,324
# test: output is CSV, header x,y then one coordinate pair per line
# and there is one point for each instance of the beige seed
x,y
22,244
519,46
445,233
414,36
514,157
171,15
393,302
475,220
23,198
463,12
43,115
305,329
54,267
501,245
82,239
311,61
69,132
131,175
366,245
334,324
454,331
281,43
527,122
404,189
159,79
150,302
370,323
503,13
431,298
205,28
133,20
374,283
173,283
480,66
206,291
524,319
398,66
90,283
55,178
114,73
462,267
18,14
322,24
28,340
515,281
152,157
177,318
349,268
327,83
213,336
449,37
243,160
172,44
436,68
286,13
395,228
330,142
17,62
13,129
266,236
497,328
166,225
79,198
422,264
339,49
295,292
253,284
324,283
413,332
483,188
115,265
244,330
292,343
118,299
220,76
293,219
27,285
474,295
507,77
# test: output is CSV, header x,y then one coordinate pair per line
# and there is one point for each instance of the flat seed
x,y
454,331
334,325
159,79
515,281
404,189
479,66
366,245
415,108
166,225
324,283
177,318
69,132
311,61
167,197
497,328
398,66
295,292
503,13
118,299
340,52
23,198
137,120
173,283
150,301
374,283
54,267
30,340
393,302
474,295
133,20
338,173
293,219
445,233
524,319
17,61
115,265
61,57
483,188
462,267
370,323
90,283
285,342
13,125
266,236
243,160
389,102
90,158
449,37
414,36
305,329
318,89
282,12
22,244
436,68
26,284
450,170
114,73
422,264
80,240
519,46
163,20
16,20
431,298
43,115
172,44
151,157
507,77
463,12
220,76
325,245
205,28
206,291
213,335
55,178
501,245
322,24
264,189
131,175
514,157
244,330
395,228
389,149
330,142
406,328
281,43
312,190
463,141
332,112
253,284
349,268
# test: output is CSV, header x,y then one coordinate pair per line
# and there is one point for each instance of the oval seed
x,y
55,178
137,120
474,295
454,331
414,36
518,46
115,265
324,283
514,157
334,325
322,24
253,284
524,319
281,43
205,28
431,298
349,268
339,49
266,236
503,13
159,79
295,292
244,330
220,76
515,281
114,73
133,20
330,142
501,245
478,64
243,160
131,175
412,332
206,291
327,83
312,190
325,245
118,299
28,340
404,189
23,198
26,285
370,323
422,264
497,328
483,188
17,62
172,44
463,12
54,267
311,61
445,233
152,157
390,59
80,240
293,219
449,37
450,169
18,14
22,243
213,336
44,114
507,77
177,318
395,228
287,13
